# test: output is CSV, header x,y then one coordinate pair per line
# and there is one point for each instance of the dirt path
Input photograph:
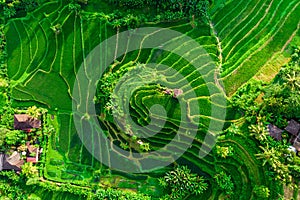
x,y
220,56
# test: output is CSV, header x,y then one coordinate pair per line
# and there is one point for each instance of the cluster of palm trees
x,y
130,21
10,8
280,103
182,183
282,96
224,151
259,131
275,103
169,9
273,157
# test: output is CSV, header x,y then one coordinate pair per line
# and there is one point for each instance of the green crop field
x,y
240,40
251,32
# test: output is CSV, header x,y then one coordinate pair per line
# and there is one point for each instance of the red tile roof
x,y
31,159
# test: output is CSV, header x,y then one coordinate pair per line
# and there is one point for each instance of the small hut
x,y
174,92
293,127
177,92
275,132
32,153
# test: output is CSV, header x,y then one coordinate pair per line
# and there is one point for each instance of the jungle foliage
x,y
181,183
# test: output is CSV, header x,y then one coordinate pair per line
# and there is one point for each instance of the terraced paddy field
x,y
251,32
240,39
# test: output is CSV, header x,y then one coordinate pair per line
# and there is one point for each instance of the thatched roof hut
x,y
275,132
293,127
177,92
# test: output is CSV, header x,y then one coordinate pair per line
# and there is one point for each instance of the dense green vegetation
x,y
183,183
280,103
43,44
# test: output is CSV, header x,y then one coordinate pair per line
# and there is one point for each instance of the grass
x,y
59,99
14,49
63,138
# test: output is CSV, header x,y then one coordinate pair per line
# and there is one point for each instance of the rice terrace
x,y
138,99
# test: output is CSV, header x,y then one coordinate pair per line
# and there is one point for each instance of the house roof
x,y
25,122
275,132
177,92
31,159
14,158
12,162
293,127
31,148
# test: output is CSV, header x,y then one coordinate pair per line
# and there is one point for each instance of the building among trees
x,y
26,122
13,162
275,132
293,127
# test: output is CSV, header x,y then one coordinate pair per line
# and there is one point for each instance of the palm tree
x,y
74,7
9,12
292,80
105,17
131,21
269,155
124,146
56,29
224,151
259,131
261,191
34,111
117,24
145,146
296,55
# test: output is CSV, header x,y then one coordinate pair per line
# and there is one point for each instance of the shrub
x,y
261,192
224,182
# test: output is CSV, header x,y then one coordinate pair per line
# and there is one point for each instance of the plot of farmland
x,y
43,65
